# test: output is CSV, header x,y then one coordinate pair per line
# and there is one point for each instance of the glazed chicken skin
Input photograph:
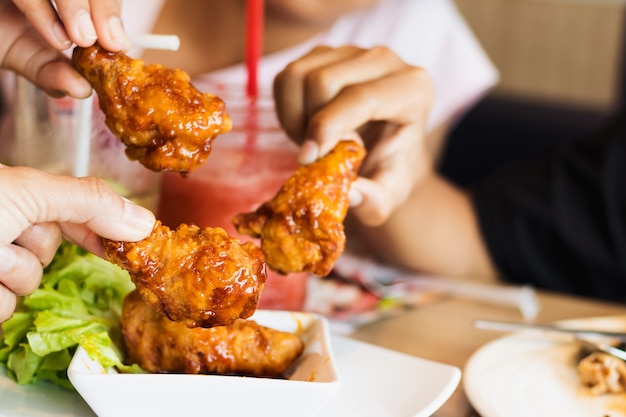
x,y
198,276
301,228
164,121
158,344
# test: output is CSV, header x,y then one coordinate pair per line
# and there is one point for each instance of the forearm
x,y
435,231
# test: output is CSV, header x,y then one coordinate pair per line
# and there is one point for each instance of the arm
x,y
435,231
557,223
409,215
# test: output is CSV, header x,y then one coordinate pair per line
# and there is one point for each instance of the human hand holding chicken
x,y
331,93
35,32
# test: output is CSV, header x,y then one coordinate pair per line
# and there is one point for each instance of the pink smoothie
x,y
235,180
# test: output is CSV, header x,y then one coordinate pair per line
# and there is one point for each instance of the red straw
x,y
254,44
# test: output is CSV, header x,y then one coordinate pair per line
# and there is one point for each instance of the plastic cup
x,y
69,136
246,167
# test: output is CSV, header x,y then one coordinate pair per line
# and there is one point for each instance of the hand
x,y
32,35
331,93
37,209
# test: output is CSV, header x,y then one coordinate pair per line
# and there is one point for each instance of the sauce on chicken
x,y
164,121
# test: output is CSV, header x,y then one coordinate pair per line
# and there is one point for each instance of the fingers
x,y
23,50
43,17
8,303
388,175
88,21
20,274
401,98
290,92
84,237
331,92
34,197
20,270
46,67
42,240
59,78
360,66
334,93
36,207
84,22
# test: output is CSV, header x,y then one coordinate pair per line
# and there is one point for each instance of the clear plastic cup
x,y
246,167
69,136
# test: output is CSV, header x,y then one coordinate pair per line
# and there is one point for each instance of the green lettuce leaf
x,y
78,303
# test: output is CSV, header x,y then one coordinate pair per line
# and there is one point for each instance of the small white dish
x,y
375,382
528,373
314,382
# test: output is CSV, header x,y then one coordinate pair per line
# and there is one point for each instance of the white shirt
x,y
427,33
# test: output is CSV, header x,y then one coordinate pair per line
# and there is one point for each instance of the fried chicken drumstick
x,y
158,344
165,123
200,277
301,228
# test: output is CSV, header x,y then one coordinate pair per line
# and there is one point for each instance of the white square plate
x,y
312,384
375,382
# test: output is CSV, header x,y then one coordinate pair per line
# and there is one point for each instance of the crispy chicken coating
x,y
164,121
199,276
301,228
158,344
602,373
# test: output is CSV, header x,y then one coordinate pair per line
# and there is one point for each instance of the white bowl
x,y
311,386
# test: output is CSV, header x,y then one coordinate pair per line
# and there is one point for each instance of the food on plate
x,y
164,121
301,227
201,277
602,373
158,344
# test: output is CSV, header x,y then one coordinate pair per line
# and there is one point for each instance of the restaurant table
x,y
443,332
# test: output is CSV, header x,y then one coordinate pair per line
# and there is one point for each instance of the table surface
x,y
443,331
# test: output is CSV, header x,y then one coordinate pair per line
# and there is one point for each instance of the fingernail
x,y
61,35
118,35
85,27
309,152
80,87
355,197
7,258
138,218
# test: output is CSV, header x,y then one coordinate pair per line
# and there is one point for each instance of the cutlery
x,y
507,326
597,345
583,336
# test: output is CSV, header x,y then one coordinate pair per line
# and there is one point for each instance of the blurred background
x,y
562,74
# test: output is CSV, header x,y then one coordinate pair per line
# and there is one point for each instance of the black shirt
x,y
560,223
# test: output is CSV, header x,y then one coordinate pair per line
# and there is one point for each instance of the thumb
x,y
29,196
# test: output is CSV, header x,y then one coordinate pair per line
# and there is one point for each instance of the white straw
x,y
152,41
83,137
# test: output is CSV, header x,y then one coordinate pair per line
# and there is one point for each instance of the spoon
x,y
507,326
588,338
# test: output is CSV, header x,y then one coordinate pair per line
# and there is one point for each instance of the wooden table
x,y
442,331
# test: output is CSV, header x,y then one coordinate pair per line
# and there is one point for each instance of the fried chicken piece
x,y
301,228
201,277
158,344
165,123
602,373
